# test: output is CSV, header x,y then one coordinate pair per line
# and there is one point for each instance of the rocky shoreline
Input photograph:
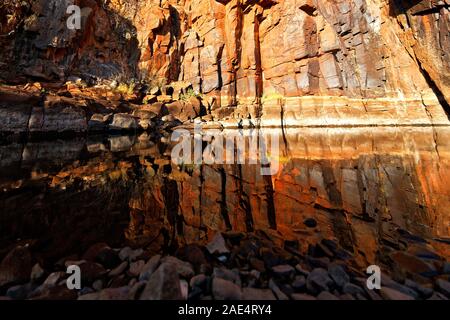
x,y
33,109
73,108
232,266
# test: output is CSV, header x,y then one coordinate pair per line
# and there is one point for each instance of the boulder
x,y
123,122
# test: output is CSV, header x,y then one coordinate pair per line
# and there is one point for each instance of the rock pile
x,y
233,266
72,108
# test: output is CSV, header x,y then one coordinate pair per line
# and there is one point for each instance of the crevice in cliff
x,y
236,14
258,72
223,200
244,202
200,194
439,94
396,9
436,9
271,213
172,200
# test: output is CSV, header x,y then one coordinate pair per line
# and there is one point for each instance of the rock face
x,y
292,62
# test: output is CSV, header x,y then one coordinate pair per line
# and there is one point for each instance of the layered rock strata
x,y
292,62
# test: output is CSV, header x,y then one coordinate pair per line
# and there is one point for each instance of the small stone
x,y
424,291
60,292
37,273
413,264
195,294
226,274
149,268
86,290
183,268
217,245
270,258
119,281
277,291
123,121
198,281
310,223
392,294
255,274
302,270
257,264
68,263
164,284
257,294
90,272
108,258
168,118
205,268
222,258
299,283
136,268
125,253
388,282
118,270
338,275
285,271
16,267
421,251
446,268
19,292
225,290
324,295
93,251
302,297
99,122
318,281
192,254
318,262
136,289
443,286
132,282
53,279
184,289
97,285
61,263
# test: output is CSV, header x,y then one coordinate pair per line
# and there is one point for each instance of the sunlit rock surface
x,y
292,62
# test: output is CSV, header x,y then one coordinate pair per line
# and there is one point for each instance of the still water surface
x,y
360,185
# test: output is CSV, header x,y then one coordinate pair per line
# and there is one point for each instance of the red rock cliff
x,y
307,62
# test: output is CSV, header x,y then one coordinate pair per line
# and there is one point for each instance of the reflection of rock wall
x,y
290,55
359,186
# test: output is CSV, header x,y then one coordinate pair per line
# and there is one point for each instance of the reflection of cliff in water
x,y
358,184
